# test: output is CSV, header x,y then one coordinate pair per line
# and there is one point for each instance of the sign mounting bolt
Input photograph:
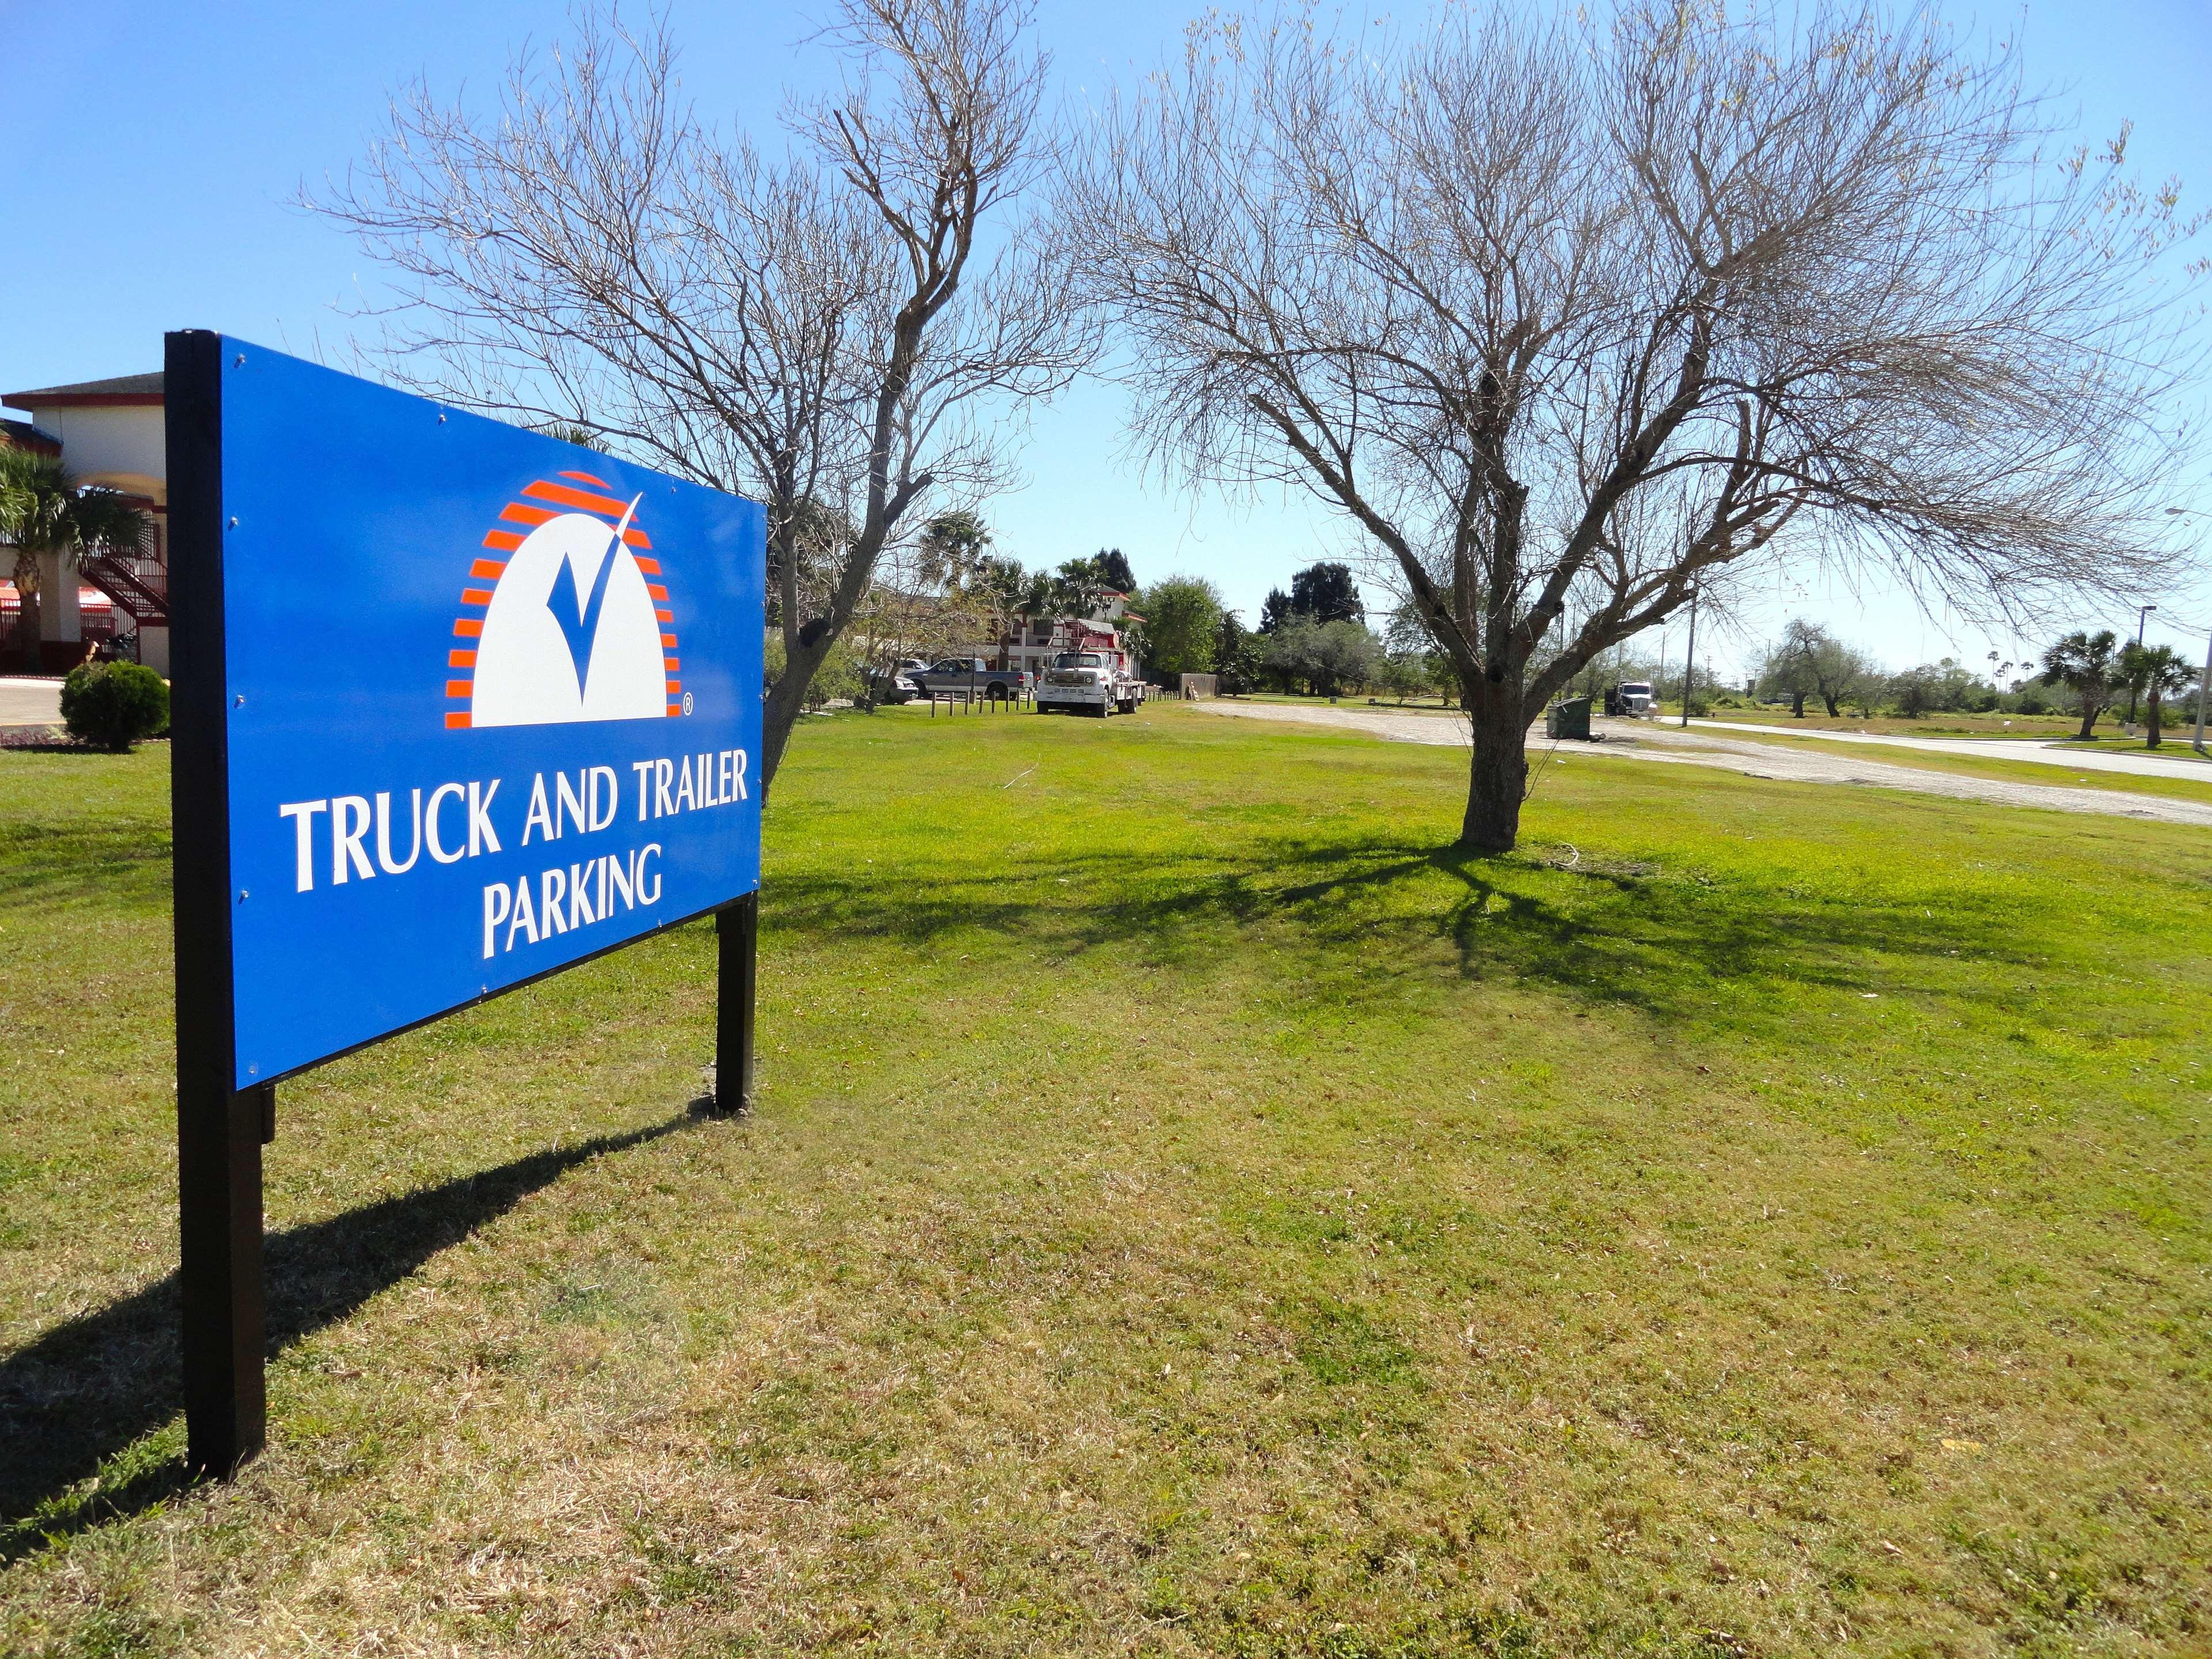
x,y
234,521
239,361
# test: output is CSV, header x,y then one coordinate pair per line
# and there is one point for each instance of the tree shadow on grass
x,y
77,1402
1649,935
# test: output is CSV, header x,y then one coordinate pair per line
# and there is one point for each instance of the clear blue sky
x,y
157,148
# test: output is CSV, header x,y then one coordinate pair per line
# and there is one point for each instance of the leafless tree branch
x,y
847,332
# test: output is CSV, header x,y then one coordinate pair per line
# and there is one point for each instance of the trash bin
x,y
1570,719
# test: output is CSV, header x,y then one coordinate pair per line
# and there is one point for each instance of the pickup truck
x,y
958,674
1090,680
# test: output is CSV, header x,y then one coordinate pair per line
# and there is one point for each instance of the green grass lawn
x,y
1188,1212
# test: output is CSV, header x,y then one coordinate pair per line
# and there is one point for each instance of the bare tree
x,y
846,333
911,610
1809,661
1566,317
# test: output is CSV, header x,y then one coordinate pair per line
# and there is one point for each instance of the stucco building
x,y
110,433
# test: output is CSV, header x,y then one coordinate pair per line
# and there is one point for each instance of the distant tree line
x,y
1314,640
2083,673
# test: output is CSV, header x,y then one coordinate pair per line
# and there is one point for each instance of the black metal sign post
x,y
737,956
220,1129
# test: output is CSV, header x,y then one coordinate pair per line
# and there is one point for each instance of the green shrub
x,y
839,675
113,704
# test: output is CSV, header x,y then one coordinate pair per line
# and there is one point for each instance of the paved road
x,y
2143,762
1644,740
30,702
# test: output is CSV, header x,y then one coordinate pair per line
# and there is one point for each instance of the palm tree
x,y
2158,673
952,545
2087,664
44,509
1040,595
1082,586
998,586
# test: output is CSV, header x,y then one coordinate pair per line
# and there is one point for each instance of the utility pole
x,y
1689,662
2203,695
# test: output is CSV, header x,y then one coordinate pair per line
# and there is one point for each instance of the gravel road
x,y
1641,740
2143,762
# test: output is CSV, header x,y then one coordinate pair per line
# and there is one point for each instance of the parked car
x,y
959,674
891,686
1091,681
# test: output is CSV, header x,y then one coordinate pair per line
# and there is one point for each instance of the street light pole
x,y
2204,685
2203,696
2142,615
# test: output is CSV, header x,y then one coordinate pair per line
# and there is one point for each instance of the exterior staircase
x,y
137,583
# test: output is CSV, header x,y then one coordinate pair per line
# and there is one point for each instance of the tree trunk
x,y
2089,712
2151,712
787,702
1797,704
26,578
1835,708
1498,775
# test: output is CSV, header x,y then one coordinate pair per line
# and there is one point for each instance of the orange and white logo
x,y
576,624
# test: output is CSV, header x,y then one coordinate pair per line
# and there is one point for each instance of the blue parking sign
x,y
491,705
456,705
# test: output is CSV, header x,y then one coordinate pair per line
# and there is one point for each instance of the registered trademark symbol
x,y
687,703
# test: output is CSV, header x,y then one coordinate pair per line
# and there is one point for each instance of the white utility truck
x,y
1089,681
